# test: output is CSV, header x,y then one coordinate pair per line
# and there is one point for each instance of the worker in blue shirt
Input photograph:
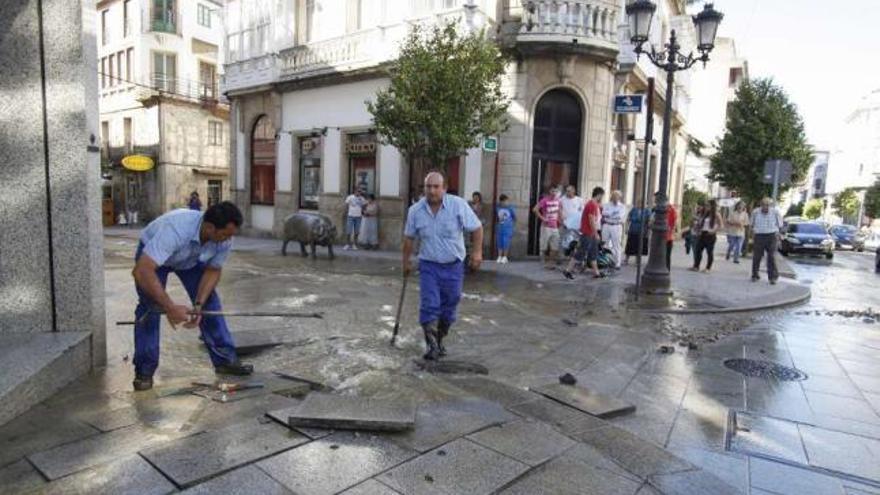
x,y
439,221
193,246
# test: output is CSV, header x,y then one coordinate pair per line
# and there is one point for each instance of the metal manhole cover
x,y
765,369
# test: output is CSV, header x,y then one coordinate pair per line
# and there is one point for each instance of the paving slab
x,y
771,437
35,431
100,449
492,390
254,341
637,456
566,419
855,409
441,422
246,480
851,454
570,476
461,466
731,468
168,412
344,412
777,477
19,477
193,459
131,475
370,487
590,402
696,482
354,457
527,441
283,415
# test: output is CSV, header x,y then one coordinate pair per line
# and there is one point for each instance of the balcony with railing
x,y
570,25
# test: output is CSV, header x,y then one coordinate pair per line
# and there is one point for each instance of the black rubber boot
x,y
237,368
442,331
433,348
142,383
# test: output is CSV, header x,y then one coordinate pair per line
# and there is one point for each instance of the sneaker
x,y
346,247
499,260
773,282
755,279
567,274
694,269
736,261
354,247
504,259
142,383
236,368
599,275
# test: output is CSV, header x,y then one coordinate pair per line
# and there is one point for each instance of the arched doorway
x,y
556,145
263,161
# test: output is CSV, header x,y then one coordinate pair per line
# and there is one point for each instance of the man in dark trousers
x,y
766,223
439,221
193,246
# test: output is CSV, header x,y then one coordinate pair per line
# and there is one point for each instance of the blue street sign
x,y
628,103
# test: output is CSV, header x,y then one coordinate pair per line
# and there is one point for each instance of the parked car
x,y
847,236
806,238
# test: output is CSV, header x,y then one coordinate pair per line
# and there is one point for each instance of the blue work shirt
x,y
441,235
172,241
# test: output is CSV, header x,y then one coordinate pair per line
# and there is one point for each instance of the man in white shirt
x,y
613,216
766,224
355,203
572,208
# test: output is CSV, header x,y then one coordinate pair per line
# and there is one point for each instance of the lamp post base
x,y
656,277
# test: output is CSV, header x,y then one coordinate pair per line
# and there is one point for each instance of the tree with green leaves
x,y
846,203
444,96
762,124
795,210
872,200
690,198
813,209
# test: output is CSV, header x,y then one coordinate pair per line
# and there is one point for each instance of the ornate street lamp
x,y
671,60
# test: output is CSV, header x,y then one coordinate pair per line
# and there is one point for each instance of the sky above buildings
x,y
826,54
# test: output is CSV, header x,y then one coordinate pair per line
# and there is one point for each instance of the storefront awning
x,y
213,172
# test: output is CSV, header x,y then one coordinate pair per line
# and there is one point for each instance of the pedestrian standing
x,y
549,211
671,221
736,229
193,246
766,223
572,208
369,234
693,231
709,223
613,215
504,225
636,221
194,202
438,222
588,245
355,203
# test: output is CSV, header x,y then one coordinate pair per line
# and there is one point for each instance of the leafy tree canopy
x,y
872,200
445,94
813,209
846,203
762,124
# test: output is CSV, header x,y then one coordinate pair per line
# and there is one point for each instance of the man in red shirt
x,y
671,218
588,246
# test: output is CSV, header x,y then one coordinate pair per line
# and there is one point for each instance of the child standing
x,y
506,219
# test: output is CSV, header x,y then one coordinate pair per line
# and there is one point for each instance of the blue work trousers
x,y
440,285
215,333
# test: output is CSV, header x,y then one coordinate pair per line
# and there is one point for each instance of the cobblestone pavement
x,y
699,427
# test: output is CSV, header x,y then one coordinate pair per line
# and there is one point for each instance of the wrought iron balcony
x,y
570,25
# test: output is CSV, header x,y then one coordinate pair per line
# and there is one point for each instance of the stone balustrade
x,y
573,22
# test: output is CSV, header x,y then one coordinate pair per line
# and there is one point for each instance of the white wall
x,y
262,217
284,162
473,164
390,162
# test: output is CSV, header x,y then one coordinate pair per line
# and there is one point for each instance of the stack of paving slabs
x,y
344,412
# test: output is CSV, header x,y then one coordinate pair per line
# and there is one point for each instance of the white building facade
x,y
857,160
159,63
300,71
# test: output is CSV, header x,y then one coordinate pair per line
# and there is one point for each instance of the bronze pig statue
x,y
312,229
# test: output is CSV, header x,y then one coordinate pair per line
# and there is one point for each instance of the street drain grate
x,y
765,369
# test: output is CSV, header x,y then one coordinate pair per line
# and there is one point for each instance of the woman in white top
x,y
736,230
709,224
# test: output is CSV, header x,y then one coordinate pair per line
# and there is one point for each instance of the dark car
x,y
806,238
847,236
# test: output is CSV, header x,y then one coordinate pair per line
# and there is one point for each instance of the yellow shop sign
x,y
138,163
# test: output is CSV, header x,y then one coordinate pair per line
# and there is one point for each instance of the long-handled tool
x,y
399,308
233,313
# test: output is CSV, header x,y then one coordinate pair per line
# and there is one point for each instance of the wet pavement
x,y
698,427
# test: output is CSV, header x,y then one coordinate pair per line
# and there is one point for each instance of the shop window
x,y
362,162
309,172
215,192
263,162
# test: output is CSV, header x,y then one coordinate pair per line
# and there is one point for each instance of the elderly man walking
x,y
194,246
439,221
766,224
613,216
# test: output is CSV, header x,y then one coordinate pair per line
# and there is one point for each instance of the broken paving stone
x,y
567,379
693,346
601,406
344,412
314,382
451,367
567,475
283,415
666,349
190,460
570,322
